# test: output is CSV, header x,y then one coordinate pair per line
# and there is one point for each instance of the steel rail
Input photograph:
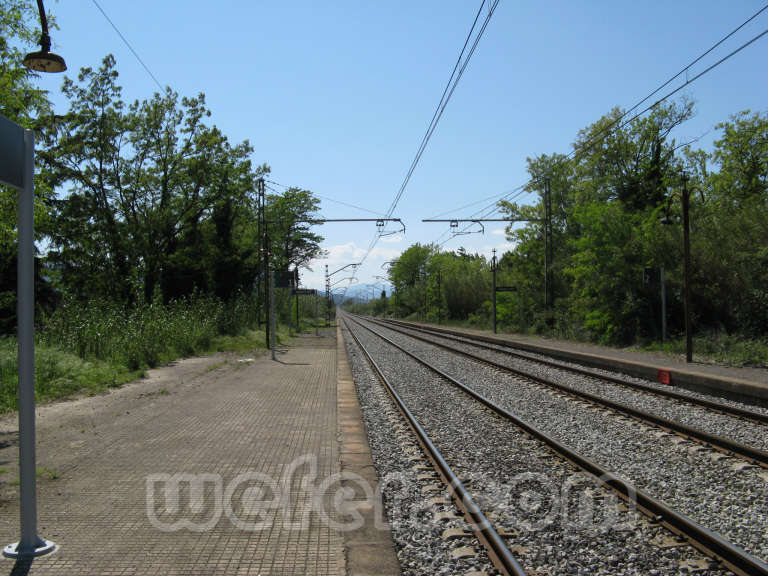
x,y
498,552
483,341
710,543
753,455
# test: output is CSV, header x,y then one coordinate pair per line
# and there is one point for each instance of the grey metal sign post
x,y
17,169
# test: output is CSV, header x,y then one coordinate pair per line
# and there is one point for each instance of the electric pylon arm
x,y
454,223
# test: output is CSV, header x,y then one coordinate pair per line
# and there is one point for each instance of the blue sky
x,y
336,97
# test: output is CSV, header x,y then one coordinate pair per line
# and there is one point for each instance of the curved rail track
x,y
709,440
706,541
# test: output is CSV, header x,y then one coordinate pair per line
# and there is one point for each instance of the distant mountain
x,y
362,292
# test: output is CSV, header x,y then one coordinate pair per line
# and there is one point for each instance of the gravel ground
x,y
406,477
746,432
553,518
714,491
650,383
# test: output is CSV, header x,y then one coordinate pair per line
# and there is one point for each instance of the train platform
x,y
228,464
739,383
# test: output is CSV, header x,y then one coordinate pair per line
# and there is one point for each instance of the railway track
x,y
497,550
499,345
500,421
725,445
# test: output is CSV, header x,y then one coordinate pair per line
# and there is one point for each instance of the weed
x,y
726,349
47,473
216,366
87,348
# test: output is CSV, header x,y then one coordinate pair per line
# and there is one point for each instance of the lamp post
x,y
23,141
44,60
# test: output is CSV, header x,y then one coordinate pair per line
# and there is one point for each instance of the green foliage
x,y
722,348
432,285
608,203
22,102
293,244
101,345
156,196
58,374
146,335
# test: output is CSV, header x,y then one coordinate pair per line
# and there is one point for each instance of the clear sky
x,y
336,96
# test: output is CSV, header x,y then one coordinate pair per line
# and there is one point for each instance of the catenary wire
x,y
129,45
329,199
618,123
447,93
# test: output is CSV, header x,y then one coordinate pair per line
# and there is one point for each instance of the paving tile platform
x,y
217,465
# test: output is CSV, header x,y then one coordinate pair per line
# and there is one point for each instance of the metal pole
x,y
493,297
439,298
327,298
268,288
272,319
290,315
315,312
30,543
298,324
687,271
547,245
260,263
663,281
26,334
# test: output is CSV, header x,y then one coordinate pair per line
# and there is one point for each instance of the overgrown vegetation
x,y
102,346
150,220
610,202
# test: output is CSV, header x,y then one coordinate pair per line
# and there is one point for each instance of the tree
x,y
88,153
730,234
22,102
408,276
158,198
606,200
292,242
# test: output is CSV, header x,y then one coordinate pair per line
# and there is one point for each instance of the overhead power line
x,y
124,39
458,71
329,199
622,120
450,86
617,122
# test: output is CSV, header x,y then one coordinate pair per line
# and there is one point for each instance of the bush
x,y
148,334
100,344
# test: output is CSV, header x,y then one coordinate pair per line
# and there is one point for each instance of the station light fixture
x,y
44,60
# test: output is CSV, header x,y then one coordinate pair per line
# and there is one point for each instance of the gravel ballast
x,y
411,507
533,495
723,494
740,430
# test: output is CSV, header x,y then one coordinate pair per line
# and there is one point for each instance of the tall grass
x,y
103,344
58,374
731,350
148,334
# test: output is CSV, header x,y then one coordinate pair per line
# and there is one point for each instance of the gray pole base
x,y
43,547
